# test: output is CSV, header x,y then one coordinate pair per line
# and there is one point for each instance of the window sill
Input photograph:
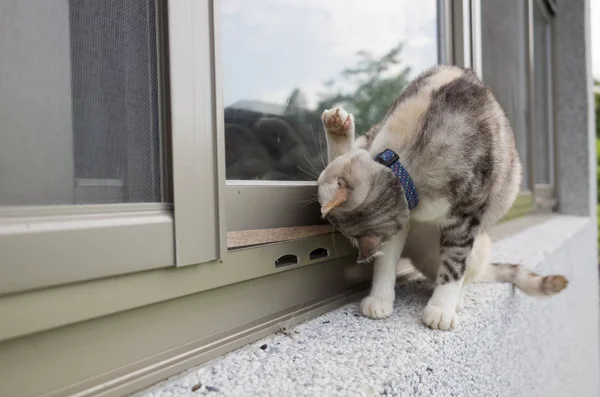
x,y
417,357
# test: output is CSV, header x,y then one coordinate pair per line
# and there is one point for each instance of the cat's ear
x,y
368,247
341,195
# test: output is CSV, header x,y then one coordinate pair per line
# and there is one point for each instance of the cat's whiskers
x,y
308,202
319,147
311,165
334,245
308,173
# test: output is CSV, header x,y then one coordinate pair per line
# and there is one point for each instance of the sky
x,y
283,45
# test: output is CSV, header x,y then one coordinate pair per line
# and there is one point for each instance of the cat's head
x,y
364,200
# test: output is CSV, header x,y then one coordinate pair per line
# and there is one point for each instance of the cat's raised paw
x,y
376,307
443,318
338,122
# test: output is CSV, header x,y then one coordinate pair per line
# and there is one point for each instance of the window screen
x,y
79,102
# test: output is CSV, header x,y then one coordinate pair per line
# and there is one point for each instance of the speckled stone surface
x,y
507,344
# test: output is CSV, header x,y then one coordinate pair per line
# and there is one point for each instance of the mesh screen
x,y
115,120
79,101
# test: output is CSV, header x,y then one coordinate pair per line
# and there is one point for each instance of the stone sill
x,y
507,344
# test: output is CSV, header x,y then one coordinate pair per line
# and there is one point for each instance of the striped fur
x,y
455,141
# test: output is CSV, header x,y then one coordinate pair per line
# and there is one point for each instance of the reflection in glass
x,y
505,68
286,61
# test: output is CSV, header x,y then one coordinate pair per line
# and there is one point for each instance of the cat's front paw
x,y
338,122
376,307
443,318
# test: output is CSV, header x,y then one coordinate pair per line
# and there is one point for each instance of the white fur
x,y
339,139
380,302
440,312
431,210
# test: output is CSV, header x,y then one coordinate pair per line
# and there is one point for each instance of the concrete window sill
x,y
507,344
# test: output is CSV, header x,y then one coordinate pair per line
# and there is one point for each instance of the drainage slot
x,y
318,253
286,260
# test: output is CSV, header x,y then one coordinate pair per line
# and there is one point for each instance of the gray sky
x,y
270,47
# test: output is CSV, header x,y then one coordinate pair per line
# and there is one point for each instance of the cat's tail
x,y
524,279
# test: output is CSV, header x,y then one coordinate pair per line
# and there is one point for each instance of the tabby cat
x,y
441,168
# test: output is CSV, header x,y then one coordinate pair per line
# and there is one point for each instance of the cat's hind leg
x,y
527,281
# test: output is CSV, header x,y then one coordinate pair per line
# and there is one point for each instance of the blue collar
x,y
390,159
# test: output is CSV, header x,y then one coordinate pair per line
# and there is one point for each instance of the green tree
x,y
368,89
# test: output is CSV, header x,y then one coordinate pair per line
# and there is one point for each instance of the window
x,y
505,64
82,148
138,133
79,105
283,63
516,63
543,118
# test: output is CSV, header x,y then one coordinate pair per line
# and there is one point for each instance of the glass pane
x,y
541,36
286,61
505,68
79,102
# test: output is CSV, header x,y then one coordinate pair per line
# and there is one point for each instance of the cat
x,y
440,169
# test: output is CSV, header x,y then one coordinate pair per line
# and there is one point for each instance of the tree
x,y
367,90
377,83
